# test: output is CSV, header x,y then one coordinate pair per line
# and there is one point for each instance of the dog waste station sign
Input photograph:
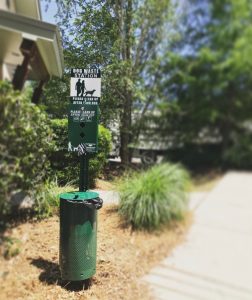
x,y
78,209
85,94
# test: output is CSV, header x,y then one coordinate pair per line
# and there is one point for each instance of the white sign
x,y
85,83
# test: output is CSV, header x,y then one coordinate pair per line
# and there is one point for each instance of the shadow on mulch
x,y
51,275
15,218
122,223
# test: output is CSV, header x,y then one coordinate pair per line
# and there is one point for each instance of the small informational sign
x,y
85,87
85,93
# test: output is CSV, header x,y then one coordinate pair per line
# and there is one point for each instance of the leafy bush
x,y
154,197
196,156
25,140
239,155
65,165
47,198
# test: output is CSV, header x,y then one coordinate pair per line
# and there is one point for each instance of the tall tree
x,y
210,89
124,38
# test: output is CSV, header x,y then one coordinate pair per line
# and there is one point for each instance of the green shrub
x,y
65,165
25,140
154,197
47,198
195,156
239,155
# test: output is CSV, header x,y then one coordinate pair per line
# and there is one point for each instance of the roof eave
x,y
40,31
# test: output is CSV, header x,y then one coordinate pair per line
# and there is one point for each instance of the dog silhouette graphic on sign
x,y
90,93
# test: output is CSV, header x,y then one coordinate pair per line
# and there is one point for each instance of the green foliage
x,y
154,197
25,140
196,156
47,198
65,165
239,155
207,92
56,96
124,38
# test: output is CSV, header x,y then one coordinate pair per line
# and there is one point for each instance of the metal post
x,y
86,172
84,160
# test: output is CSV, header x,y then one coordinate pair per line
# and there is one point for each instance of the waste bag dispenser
x,y
78,234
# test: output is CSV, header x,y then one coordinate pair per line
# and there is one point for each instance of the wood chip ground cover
x,y
123,258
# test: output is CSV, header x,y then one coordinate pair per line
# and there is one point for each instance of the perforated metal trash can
x,y
78,234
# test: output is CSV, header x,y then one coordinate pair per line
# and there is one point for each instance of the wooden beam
x,y
38,92
28,49
32,67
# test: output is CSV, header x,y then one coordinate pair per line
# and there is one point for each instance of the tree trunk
x,y
126,113
125,131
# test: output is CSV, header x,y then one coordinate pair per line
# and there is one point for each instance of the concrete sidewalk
x,y
215,262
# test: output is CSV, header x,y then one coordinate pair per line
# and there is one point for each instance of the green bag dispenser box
x,y
78,234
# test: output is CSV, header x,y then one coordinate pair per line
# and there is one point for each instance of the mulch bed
x,y
123,257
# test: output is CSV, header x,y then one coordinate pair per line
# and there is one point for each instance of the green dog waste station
x,y
78,209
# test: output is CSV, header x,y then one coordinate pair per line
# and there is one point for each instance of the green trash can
x,y
78,234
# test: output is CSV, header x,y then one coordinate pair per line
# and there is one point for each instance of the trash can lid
x,y
79,195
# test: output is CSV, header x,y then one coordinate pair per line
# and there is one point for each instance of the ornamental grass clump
x,y
155,197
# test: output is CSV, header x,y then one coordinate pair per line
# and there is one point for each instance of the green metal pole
x,y
84,160
86,172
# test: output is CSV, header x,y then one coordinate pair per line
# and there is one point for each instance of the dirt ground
x,y
123,257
